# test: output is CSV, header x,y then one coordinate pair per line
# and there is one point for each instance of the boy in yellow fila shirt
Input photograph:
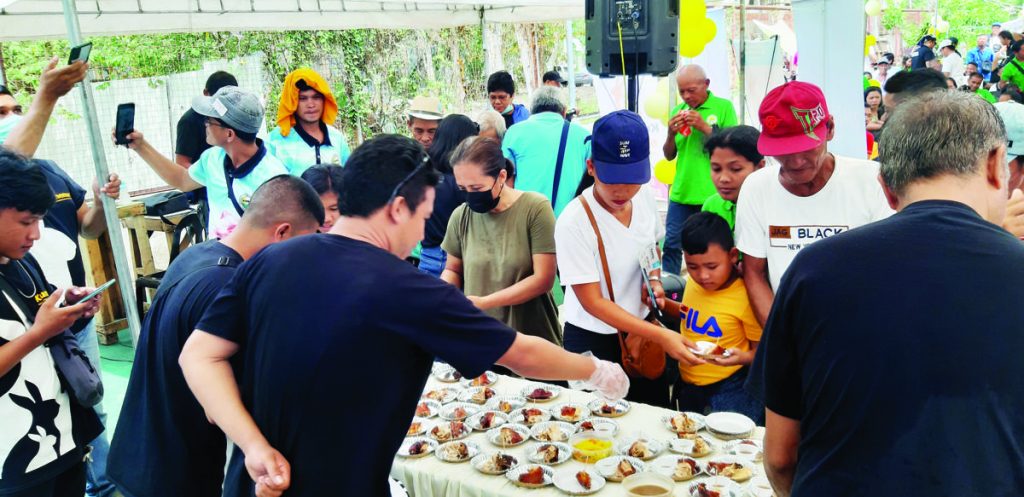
x,y
715,309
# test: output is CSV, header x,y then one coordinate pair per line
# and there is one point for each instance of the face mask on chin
x,y
508,110
7,125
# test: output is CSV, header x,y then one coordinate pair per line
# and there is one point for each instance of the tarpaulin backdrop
x,y
831,45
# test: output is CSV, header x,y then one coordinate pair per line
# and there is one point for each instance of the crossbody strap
x,y
9,289
558,163
604,261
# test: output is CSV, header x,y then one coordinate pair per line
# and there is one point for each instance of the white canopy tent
x,y
79,19
38,19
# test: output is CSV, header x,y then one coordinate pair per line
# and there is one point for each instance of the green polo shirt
x,y
987,95
1012,74
692,185
722,207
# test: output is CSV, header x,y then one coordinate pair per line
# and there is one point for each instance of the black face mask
x,y
483,202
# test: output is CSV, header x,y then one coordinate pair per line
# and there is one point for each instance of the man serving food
x,y
334,364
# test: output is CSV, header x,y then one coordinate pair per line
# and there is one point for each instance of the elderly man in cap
x,y
425,114
810,196
932,288
232,169
305,136
882,67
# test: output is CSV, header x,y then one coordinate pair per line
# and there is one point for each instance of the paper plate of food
x,y
538,392
531,475
570,412
458,411
553,453
716,486
641,447
494,463
505,403
579,482
442,395
530,416
745,448
684,423
552,431
509,435
694,447
417,427
483,421
446,431
485,380
707,350
617,468
428,408
598,424
457,451
678,468
609,408
416,447
444,372
478,395
734,468
729,425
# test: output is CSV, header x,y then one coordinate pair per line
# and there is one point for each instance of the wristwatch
x,y
654,278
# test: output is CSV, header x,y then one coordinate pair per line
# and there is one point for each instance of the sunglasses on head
x,y
424,164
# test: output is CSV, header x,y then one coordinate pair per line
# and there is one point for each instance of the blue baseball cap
x,y
621,150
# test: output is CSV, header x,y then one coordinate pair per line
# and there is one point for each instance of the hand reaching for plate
x,y
608,379
269,469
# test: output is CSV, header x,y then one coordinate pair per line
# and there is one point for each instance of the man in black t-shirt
x,y
182,453
191,136
57,251
885,359
337,346
923,54
44,430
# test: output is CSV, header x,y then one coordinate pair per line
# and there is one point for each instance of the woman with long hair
x,y
452,130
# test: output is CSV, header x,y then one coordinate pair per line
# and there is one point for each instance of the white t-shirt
x,y
773,224
954,65
579,261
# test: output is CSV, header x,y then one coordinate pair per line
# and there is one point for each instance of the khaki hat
x,y
428,108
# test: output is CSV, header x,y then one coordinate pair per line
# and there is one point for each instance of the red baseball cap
x,y
793,118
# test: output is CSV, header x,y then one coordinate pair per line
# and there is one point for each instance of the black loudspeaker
x,y
650,36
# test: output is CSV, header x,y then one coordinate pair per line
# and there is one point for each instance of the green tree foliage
x,y
373,72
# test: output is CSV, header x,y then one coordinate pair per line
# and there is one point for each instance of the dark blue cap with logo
x,y
621,150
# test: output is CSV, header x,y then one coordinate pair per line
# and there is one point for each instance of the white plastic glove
x,y
608,379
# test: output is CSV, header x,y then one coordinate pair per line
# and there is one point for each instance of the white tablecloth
x,y
430,477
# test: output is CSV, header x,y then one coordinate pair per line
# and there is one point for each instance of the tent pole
x,y
125,278
483,41
743,61
570,61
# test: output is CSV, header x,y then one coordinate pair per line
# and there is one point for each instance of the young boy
x,y
733,153
715,309
45,432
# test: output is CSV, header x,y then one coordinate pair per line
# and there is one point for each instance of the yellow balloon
x,y
656,105
665,171
695,34
873,8
869,41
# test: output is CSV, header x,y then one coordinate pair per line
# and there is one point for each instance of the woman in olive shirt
x,y
501,243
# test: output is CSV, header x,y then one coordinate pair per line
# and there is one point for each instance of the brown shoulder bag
x,y
641,357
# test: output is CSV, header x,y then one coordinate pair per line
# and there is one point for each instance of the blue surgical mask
x,y
7,125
